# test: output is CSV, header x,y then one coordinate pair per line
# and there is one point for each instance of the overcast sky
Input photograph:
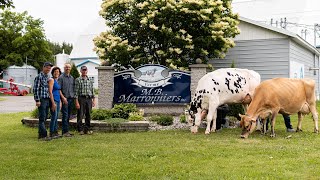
x,y
65,20
300,14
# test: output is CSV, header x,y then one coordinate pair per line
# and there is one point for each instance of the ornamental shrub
x,y
134,116
35,113
163,120
235,110
101,114
183,118
123,110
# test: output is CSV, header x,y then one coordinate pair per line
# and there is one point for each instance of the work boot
x,y
45,138
290,130
67,134
55,135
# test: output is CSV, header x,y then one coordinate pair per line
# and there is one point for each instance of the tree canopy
x,y
6,4
169,32
58,48
22,37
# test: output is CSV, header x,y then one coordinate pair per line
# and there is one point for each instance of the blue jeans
x,y
54,118
66,111
43,114
287,121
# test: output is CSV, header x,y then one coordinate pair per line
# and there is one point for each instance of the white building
x,y
83,53
21,74
61,59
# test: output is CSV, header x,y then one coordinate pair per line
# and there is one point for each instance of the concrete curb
x,y
96,125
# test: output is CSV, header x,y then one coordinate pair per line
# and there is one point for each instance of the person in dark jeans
x,y
66,81
42,98
85,100
222,112
287,122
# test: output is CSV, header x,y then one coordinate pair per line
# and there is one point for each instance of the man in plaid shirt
x,y
42,98
85,100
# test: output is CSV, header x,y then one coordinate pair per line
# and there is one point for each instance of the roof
x,y
295,37
87,61
21,67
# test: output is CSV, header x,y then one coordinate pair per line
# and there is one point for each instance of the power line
x,y
306,29
296,12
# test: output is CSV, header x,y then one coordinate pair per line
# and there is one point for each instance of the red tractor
x,y
14,89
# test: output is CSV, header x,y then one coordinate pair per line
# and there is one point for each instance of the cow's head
x,y
248,125
190,115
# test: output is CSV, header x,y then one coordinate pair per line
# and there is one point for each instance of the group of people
x,y
62,90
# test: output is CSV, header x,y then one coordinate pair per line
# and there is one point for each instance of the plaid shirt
x,y
41,87
83,87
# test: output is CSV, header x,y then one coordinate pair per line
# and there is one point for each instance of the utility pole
x,y
25,82
305,34
315,31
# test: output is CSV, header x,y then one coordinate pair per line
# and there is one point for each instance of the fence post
x,y
105,85
197,72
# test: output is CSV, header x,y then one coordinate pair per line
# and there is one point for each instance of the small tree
x,y
74,71
75,74
171,32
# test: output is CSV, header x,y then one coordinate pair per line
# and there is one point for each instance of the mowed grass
x,y
174,154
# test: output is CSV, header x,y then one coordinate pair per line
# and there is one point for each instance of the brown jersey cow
x,y
280,95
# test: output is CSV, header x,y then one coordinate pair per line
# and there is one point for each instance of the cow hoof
x,y
243,136
207,133
299,130
273,135
316,131
194,130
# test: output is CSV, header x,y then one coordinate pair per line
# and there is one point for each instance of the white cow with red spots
x,y
222,86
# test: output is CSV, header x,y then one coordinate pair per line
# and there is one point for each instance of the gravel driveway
x,y
13,104
17,104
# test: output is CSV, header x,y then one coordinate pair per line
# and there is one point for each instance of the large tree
x,y
22,38
6,4
168,32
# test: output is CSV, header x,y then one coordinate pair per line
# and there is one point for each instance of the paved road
x,y
17,104
13,104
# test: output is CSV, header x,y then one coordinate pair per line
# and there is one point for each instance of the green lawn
x,y
159,155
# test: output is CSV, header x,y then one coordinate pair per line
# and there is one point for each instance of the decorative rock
x,y
199,61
